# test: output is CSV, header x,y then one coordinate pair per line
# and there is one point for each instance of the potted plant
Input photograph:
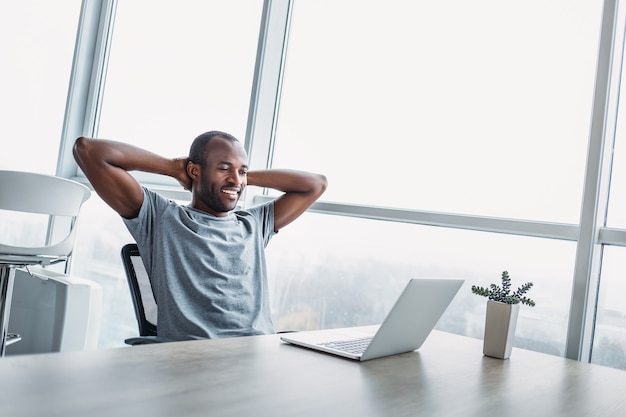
x,y
501,318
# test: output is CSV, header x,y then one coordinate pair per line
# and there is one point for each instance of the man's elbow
x,y
79,149
81,145
322,184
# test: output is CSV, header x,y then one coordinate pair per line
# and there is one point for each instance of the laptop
x,y
413,316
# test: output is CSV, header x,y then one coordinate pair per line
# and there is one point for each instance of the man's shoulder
x,y
258,210
156,199
155,205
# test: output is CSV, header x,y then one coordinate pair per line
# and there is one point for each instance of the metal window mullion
x,y
595,192
83,97
265,97
86,79
548,230
611,236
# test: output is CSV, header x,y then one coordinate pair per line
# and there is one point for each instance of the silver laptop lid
x,y
413,316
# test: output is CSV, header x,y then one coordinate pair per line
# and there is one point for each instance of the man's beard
x,y
212,198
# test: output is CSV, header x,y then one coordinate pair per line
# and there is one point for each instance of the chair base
x,y
147,340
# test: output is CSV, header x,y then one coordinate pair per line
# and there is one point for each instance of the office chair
x,y
57,198
144,304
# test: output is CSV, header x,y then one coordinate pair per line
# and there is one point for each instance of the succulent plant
x,y
503,293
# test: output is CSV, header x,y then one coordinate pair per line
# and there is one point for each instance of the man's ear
x,y
193,170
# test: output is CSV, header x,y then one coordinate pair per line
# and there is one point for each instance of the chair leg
x,y
7,273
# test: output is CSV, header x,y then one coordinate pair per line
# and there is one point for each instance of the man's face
x,y
223,178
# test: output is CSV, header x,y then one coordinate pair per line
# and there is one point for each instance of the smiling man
x,y
206,260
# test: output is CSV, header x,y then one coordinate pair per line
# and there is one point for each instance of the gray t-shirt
x,y
208,273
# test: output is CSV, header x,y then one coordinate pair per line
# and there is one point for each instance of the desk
x,y
448,376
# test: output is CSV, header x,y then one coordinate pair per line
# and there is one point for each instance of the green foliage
x,y
503,293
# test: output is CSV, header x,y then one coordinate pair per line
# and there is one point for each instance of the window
x,y
37,41
609,338
616,216
481,109
188,70
440,106
435,107
332,271
36,62
97,257
609,345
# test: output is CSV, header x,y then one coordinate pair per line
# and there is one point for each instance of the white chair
x,y
58,198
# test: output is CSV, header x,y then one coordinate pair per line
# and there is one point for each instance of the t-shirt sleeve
x,y
141,227
264,213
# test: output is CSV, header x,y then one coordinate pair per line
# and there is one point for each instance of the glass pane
x,y
188,70
97,257
449,106
616,215
354,277
609,342
36,44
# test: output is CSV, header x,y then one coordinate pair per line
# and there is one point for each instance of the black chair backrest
x,y
140,290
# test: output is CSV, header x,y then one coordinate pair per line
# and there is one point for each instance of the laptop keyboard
x,y
354,346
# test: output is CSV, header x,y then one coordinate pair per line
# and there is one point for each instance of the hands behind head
x,y
183,178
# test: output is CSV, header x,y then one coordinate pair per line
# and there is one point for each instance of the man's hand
x,y
183,177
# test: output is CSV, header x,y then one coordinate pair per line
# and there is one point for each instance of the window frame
x,y
85,94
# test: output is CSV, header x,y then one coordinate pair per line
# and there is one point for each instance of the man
x,y
206,262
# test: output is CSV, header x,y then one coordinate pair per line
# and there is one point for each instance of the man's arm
x,y
301,190
106,165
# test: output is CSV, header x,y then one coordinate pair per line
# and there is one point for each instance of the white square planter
x,y
500,324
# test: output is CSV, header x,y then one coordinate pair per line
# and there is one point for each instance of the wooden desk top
x,y
448,376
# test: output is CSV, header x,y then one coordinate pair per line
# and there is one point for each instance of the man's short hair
x,y
198,149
